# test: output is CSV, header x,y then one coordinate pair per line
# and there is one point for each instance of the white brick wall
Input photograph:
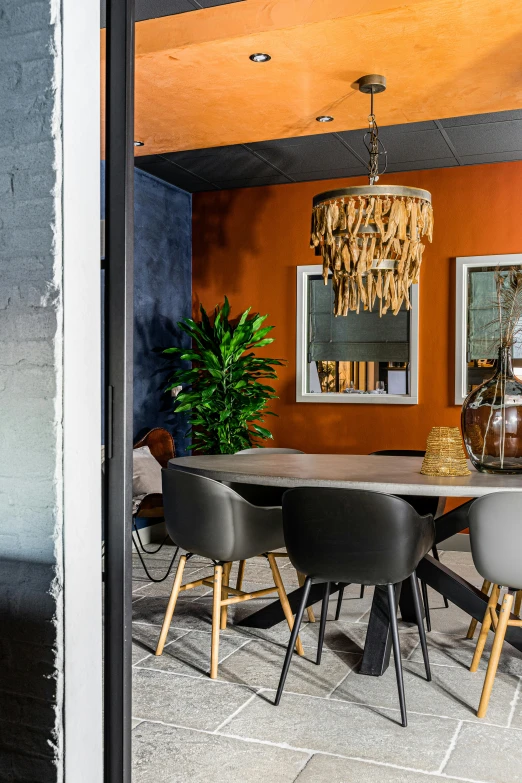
x,y
30,395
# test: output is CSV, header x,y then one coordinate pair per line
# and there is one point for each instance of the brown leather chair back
x,y
160,443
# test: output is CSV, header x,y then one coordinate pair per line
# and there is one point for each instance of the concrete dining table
x,y
394,476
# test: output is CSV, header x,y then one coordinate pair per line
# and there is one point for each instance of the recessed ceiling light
x,y
260,57
139,143
324,118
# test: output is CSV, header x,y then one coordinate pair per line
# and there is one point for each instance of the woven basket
x,y
445,454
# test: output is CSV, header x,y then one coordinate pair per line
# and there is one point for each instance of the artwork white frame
x,y
302,395
464,263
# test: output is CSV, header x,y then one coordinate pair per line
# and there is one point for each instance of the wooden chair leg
x,y
500,633
171,605
309,610
240,574
216,621
518,603
473,624
287,609
224,584
486,625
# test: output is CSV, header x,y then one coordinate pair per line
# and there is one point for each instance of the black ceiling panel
x,y
421,145
252,182
309,153
224,163
479,119
163,169
490,157
488,137
416,165
403,146
318,174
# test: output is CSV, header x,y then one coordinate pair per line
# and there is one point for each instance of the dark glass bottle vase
x,y
492,421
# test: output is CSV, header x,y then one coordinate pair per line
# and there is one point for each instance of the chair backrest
x,y
160,443
423,504
351,535
495,528
270,451
208,518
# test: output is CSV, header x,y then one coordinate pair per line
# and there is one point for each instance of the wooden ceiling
x,y
197,88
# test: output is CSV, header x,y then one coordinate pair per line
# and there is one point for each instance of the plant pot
x,y
492,421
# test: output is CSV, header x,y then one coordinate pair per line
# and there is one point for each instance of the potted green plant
x,y
225,389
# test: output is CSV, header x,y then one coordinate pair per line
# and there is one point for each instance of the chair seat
x,y
151,507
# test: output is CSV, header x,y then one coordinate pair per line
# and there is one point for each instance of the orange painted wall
x,y
247,244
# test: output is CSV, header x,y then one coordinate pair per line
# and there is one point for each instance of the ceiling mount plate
x,y
373,83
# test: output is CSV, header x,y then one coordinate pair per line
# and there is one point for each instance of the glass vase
x,y
492,420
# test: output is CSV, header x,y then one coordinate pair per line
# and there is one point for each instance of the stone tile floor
x,y
333,726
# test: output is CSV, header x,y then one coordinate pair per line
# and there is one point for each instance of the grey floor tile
x,y
139,584
190,654
185,701
454,559
135,723
163,590
451,620
193,615
452,693
163,754
328,769
487,753
349,729
145,639
447,650
261,663
516,720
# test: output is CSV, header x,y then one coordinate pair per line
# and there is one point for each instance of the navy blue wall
x,y
162,297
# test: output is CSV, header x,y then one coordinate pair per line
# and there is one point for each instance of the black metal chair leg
x,y
397,652
426,602
361,594
435,553
420,624
322,626
339,603
144,566
293,637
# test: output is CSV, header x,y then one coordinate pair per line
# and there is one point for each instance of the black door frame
x,y
119,247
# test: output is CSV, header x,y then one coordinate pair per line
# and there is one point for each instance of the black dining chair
x,y
355,536
261,495
208,519
423,505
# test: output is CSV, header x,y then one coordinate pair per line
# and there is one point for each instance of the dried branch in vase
x,y
508,283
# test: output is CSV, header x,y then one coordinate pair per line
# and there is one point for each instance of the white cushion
x,y
146,472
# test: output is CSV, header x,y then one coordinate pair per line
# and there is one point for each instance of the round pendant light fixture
x,y
371,236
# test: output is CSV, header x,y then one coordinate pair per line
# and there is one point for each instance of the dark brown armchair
x,y
161,445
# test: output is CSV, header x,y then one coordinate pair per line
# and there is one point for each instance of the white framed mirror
x,y
475,309
357,358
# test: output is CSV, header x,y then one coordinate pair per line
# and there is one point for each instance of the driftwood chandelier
x,y
370,237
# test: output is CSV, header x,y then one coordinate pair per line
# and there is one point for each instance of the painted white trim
x,y
464,263
303,273
81,390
